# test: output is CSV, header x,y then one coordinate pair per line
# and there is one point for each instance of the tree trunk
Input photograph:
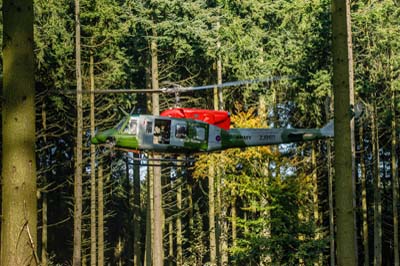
x,y
44,229
332,252
364,206
93,244
317,218
158,256
137,253
224,229
344,142
76,260
395,180
377,191
100,216
211,214
179,236
218,100
19,203
171,243
149,219
234,218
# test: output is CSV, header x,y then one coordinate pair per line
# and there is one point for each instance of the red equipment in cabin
x,y
218,118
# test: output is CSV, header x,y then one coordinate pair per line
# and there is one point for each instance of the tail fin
x,y
328,130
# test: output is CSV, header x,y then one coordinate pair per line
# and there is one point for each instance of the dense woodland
x,y
270,205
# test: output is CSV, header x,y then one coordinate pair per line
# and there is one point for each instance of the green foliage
x,y
290,239
272,193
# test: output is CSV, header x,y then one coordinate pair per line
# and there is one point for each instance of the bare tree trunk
x,y
100,216
19,202
149,199
93,244
171,243
377,191
137,253
44,229
218,211
158,256
317,218
266,232
332,252
179,236
395,180
77,249
218,100
211,214
149,219
343,89
364,206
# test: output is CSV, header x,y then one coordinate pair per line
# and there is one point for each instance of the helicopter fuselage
x,y
175,135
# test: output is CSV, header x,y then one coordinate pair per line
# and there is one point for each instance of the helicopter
x,y
199,130
191,130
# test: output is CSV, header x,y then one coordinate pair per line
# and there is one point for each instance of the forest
x,y
270,205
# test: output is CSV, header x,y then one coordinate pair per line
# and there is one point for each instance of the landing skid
x,y
145,156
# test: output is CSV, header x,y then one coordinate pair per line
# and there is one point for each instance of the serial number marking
x,y
243,137
267,137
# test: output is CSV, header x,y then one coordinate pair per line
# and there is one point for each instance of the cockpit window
x,y
149,127
131,127
200,133
181,131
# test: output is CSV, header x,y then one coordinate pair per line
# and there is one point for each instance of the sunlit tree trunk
x,y
93,244
179,231
100,216
211,214
19,203
332,254
158,256
266,232
149,197
149,219
317,218
170,243
77,248
343,90
218,99
224,235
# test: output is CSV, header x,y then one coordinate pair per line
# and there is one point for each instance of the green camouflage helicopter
x,y
188,130
186,135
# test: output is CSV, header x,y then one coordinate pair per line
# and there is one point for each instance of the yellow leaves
x,y
228,160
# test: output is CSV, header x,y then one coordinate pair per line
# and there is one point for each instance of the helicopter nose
x,y
101,137
94,140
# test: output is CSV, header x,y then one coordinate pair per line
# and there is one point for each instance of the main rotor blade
x,y
117,91
186,89
234,83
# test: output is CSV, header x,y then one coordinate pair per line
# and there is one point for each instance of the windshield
x,y
120,124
